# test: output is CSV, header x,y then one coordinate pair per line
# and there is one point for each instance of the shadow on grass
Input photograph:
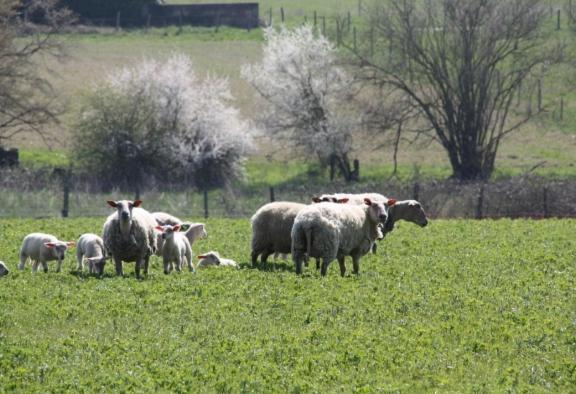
x,y
276,266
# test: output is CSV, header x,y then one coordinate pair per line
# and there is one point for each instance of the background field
x,y
459,306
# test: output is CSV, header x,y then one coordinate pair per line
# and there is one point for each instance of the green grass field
x,y
459,306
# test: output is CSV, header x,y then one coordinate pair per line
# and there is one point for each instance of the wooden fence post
x,y
558,19
206,203
118,21
282,14
416,191
272,197
66,198
561,109
545,202
479,214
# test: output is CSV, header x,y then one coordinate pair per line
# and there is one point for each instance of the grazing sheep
x,y
271,227
409,210
176,248
3,269
91,247
41,248
129,235
333,231
213,258
356,198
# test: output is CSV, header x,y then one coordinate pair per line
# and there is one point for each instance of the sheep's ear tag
x,y
112,203
49,245
391,202
137,203
316,199
367,201
343,200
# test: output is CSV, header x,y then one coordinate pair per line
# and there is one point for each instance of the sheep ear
x,y
316,199
391,201
49,245
201,256
367,201
112,203
176,227
342,200
160,228
137,203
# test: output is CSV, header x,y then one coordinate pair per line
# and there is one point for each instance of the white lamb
x,y
3,269
129,235
90,247
213,258
193,231
163,218
176,249
41,248
333,231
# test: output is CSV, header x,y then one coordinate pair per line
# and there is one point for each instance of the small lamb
x,y
91,248
213,258
176,248
41,248
3,269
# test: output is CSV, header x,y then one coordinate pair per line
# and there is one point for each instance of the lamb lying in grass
x,y
213,258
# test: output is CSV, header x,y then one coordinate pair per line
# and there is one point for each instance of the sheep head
x,y
377,210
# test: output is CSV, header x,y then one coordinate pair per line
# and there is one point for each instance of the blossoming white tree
x,y
307,95
160,118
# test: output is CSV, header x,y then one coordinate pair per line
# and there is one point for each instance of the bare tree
x,y
308,95
459,63
26,98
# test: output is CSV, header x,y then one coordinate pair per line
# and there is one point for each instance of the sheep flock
x,y
331,227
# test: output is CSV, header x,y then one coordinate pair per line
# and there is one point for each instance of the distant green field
x,y
459,306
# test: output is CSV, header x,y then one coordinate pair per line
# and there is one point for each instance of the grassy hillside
x,y
459,306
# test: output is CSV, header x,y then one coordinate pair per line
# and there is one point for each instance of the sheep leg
x,y
58,267
166,267
342,266
118,264
265,254
179,264
80,261
325,263
23,258
297,258
146,264
137,266
34,265
356,264
317,264
44,266
254,255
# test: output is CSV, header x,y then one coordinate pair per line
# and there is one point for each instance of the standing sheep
x,y
3,269
213,258
91,247
176,248
41,248
129,235
333,231
271,228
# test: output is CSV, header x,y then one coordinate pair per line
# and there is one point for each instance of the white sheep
x,y
408,210
163,218
129,235
271,228
41,248
176,248
213,258
3,269
90,247
333,231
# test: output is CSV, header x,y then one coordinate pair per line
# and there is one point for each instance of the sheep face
x,y
97,264
377,211
416,214
59,248
210,258
168,230
3,269
124,208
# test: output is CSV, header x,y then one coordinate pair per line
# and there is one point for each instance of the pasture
x,y
459,306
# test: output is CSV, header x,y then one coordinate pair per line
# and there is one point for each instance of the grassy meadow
x,y
459,306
